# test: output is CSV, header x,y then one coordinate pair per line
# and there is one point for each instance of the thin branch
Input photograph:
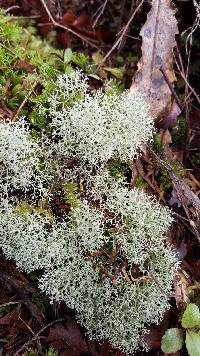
x,y
10,303
194,27
59,10
26,99
37,336
123,32
186,81
101,11
14,7
24,17
171,88
57,24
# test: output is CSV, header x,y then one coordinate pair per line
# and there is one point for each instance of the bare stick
x,y
171,88
10,303
37,336
101,11
122,33
14,7
185,79
26,99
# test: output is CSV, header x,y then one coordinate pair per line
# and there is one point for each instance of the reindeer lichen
x,y
102,250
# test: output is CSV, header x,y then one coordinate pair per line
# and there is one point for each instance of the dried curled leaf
x,y
158,35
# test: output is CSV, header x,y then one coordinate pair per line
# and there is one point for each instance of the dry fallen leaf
x,y
68,337
181,283
158,35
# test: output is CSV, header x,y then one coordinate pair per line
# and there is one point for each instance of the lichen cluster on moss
x,y
67,210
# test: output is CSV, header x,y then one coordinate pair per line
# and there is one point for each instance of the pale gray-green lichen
x,y
118,298
98,126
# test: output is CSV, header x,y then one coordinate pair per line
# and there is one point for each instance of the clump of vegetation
x,y
19,159
116,125
175,338
24,57
100,245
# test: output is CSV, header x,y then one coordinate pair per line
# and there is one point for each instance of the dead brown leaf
x,y
24,64
170,119
181,283
158,35
68,336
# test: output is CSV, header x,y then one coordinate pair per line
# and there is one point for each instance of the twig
x,y
26,99
37,336
124,39
28,327
195,25
182,191
171,88
23,294
57,24
118,41
14,7
101,11
187,126
185,79
59,14
141,172
24,17
9,303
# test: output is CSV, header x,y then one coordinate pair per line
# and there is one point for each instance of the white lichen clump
x,y
112,301
98,126
19,158
107,257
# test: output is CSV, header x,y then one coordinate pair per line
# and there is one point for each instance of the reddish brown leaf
x,y
68,18
44,27
64,39
83,21
67,337
24,64
107,350
153,338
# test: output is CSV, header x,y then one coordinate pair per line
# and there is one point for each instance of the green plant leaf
x,y
117,72
68,54
193,343
191,316
172,341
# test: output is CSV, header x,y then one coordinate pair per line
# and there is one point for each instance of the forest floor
x,y
108,33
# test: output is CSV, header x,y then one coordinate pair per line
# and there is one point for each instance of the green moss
x,y
178,134
140,183
23,58
71,193
39,302
117,168
178,168
156,145
34,277
162,174
49,352
80,59
10,29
